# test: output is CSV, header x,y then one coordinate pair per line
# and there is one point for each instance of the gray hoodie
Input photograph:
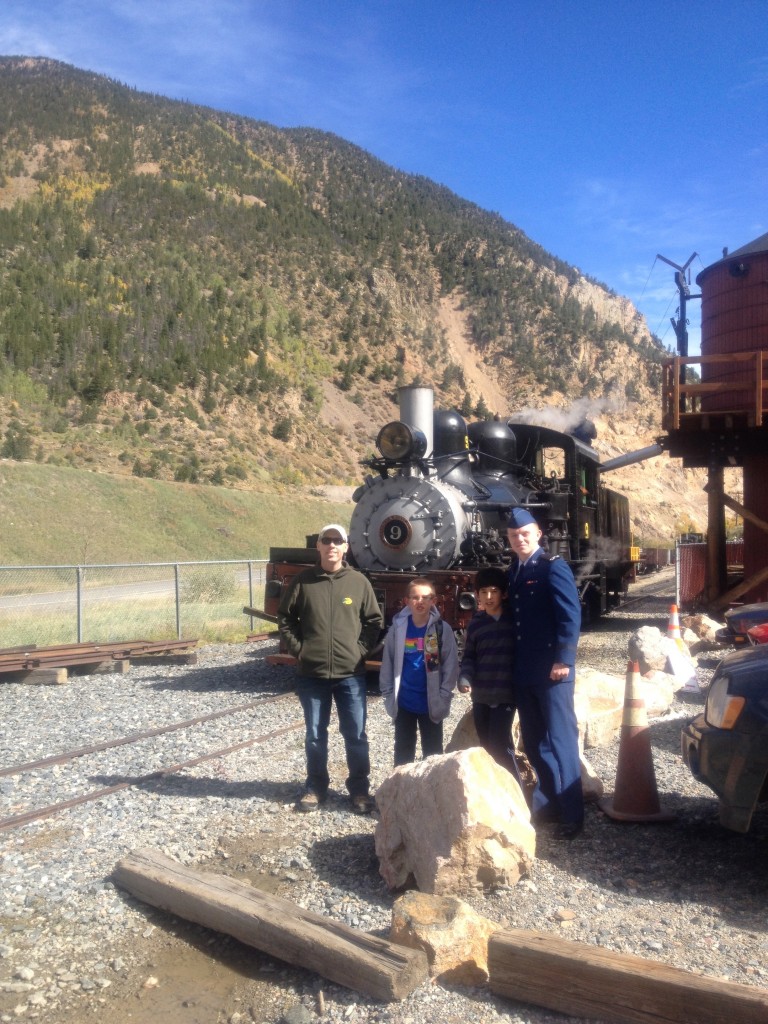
x,y
440,682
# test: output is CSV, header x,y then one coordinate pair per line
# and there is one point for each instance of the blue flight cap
x,y
519,517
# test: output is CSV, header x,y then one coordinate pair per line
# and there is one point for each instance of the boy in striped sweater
x,y
486,668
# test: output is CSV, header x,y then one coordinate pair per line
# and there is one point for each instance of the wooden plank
x,y
587,981
275,926
44,676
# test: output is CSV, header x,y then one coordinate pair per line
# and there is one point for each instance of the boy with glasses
x,y
419,668
330,620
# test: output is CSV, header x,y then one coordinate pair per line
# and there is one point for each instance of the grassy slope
x,y
51,516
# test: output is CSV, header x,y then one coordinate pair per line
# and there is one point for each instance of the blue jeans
x,y
317,696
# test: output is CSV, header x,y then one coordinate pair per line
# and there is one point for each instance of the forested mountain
x,y
189,294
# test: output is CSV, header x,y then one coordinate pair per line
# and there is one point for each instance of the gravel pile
x,y
73,947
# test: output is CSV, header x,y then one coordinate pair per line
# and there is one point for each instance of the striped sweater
x,y
487,662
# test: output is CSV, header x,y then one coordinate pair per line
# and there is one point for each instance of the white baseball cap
x,y
333,526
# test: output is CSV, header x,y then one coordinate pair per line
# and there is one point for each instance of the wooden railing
x,y
681,403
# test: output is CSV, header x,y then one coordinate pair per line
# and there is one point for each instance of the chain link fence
x,y
62,604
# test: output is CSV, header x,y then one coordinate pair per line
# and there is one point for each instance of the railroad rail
x,y
32,658
17,820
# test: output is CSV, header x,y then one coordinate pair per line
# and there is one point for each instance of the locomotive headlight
x,y
398,442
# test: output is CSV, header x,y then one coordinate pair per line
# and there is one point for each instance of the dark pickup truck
x,y
726,747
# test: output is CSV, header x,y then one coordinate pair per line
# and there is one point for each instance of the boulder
x,y
703,626
651,649
645,648
453,824
453,936
703,633
599,700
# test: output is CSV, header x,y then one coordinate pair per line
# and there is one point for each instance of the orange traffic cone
x,y
673,626
635,796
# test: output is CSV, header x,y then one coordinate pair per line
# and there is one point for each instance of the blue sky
x,y
608,130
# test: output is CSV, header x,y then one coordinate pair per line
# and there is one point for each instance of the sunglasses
x,y
332,540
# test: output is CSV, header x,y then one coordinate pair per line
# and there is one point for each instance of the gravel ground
x,y
75,948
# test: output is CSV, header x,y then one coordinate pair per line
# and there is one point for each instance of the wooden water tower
x,y
721,420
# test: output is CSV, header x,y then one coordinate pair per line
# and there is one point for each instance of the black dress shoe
x,y
568,830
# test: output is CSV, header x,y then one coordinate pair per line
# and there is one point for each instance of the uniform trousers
x,y
550,734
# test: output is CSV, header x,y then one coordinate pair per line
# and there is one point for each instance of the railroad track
x,y
656,589
17,820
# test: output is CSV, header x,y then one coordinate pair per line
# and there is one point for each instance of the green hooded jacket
x,y
330,621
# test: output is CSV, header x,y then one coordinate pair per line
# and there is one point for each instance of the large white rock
x,y
656,690
453,824
703,626
656,652
598,700
700,633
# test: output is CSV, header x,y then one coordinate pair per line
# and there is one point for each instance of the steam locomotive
x,y
436,501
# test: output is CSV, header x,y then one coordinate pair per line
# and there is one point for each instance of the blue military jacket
x,y
547,614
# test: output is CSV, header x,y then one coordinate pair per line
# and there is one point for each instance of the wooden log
x,y
587,981
275,926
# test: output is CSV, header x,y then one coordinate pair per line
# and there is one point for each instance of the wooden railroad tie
x,y
588,981
344,955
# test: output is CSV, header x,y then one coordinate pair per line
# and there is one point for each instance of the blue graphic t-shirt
x,y
412,695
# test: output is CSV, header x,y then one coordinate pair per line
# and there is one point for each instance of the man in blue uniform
x,y
547,614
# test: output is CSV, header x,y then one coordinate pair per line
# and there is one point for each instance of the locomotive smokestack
x,y
416,409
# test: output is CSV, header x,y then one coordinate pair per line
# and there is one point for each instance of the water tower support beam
x,y
717,569
718,602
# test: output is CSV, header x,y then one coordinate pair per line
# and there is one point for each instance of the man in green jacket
x,y
330,620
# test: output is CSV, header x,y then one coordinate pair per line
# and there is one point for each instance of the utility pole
x,y
680,326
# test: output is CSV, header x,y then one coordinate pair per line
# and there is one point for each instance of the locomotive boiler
x,y
435,503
